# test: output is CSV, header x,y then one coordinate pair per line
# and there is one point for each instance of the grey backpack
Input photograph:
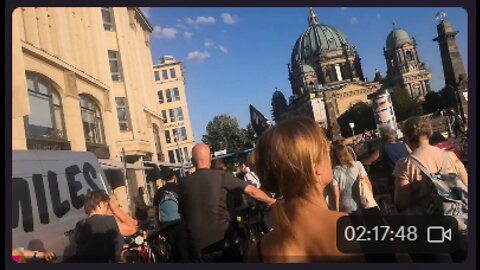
x,y
449,195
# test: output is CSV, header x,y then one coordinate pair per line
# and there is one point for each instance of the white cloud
x,y
178,25
353,20
164,33
201,20
179,20
229,18
198,57
187,35
343,10
208,44
146,11
223,49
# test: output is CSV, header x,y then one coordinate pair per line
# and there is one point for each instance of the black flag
x,y
258,121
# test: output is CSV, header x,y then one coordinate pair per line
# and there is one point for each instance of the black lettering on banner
x,y
21,198
89,173
59,208
74,186
41,198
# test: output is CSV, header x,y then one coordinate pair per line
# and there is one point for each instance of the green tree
x,y
448,98
433,102
403,105
361,114
223,132
250,136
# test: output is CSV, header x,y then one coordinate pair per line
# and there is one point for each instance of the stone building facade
x,y
404,67
169,78
82,81
326,76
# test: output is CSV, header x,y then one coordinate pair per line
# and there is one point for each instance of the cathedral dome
x,y
315,39
397,38
278,95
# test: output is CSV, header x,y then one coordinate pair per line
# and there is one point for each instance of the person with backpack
x,y
165,202
426,171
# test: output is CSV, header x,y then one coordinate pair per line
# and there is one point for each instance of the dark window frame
x,y
127,114
108,25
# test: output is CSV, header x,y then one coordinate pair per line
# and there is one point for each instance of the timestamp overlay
x,y
397,234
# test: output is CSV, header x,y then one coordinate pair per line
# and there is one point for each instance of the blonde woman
x,y
347,175
292,159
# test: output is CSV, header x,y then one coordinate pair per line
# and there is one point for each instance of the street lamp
x,y
352,125
182,171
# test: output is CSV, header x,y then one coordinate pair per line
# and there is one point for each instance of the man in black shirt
x,y
203,203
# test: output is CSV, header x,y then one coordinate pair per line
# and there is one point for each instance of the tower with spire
x,y
404,67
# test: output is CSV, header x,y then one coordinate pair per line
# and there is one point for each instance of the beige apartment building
x,y
170,86
82,81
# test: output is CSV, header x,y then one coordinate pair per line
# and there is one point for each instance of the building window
x,y
171,112
179,114
176,94
46,113
185,154
333,73
167,136
175,134
92,120
107,19
156,137
409,55
164,116
176,114
160,96
168,93
164,74
172,73
178,155
171,156
156,74
122,113
114,60
183,134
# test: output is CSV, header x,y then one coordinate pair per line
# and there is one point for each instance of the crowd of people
x,y
308,182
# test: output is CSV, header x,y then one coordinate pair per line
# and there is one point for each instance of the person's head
x,y
168,174
96,202
388,134
218,164
141,190
201,157
292,159
416,130
341,155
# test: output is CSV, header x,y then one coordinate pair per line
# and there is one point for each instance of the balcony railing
x,y
99,150
35,143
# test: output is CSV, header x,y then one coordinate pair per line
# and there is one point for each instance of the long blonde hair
x,y
285,156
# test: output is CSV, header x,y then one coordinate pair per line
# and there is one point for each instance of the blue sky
x,y
234,57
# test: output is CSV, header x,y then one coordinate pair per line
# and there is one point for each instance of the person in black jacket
x,y
98,237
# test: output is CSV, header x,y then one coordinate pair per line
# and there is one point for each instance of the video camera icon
x,y
438,234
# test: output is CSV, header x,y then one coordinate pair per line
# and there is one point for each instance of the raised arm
x,y
258,194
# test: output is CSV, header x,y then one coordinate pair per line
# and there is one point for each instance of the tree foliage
x,y
443,99
223,132
403,105
250,136
433,102
361,114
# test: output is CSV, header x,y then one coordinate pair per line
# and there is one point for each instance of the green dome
x,y
397,38
317,38
278,95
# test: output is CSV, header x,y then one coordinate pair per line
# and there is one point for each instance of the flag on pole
x,y
258,121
